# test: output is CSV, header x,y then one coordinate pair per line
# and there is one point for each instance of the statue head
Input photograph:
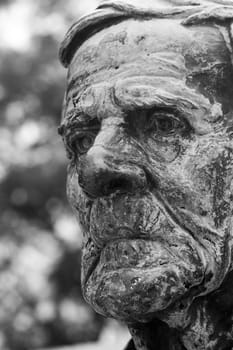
x,y
147,124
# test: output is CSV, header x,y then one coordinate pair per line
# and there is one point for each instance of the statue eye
x,y
83,142
165,124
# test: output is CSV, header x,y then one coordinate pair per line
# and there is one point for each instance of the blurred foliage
x,y
5,2
40,295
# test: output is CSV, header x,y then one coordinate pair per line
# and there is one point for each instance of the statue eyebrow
x,y
167,109
74,119
160,99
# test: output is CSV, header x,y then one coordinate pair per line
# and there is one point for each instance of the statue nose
x,y
100,174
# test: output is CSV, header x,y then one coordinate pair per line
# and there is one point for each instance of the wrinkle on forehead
x,y
141,44
164,63
123,42
162,57
157,64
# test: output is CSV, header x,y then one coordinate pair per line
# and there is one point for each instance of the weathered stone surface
x,y
147,125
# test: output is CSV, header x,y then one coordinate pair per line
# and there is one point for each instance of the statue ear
x,y
130,345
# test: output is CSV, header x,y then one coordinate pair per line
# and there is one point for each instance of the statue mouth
x,y
131,253
134,244
124,226
125,269
116,251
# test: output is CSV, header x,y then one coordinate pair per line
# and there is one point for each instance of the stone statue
x,y
148,125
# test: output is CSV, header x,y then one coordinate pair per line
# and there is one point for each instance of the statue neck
x,y
210,325
155,335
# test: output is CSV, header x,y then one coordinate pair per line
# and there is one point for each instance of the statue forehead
x,y
140,40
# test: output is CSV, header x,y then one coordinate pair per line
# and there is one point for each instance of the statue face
x,y
147,128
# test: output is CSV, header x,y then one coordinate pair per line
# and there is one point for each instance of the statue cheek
x,y
76,197
211,182
164,151
72,186
188,183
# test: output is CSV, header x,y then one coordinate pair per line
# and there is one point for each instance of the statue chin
x,y
133,287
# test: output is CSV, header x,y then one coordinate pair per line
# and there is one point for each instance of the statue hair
x,y
110,12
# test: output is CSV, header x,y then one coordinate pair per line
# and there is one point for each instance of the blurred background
x,y
41,306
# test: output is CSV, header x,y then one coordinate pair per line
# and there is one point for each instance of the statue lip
x,y
96,260
132,235
123,232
